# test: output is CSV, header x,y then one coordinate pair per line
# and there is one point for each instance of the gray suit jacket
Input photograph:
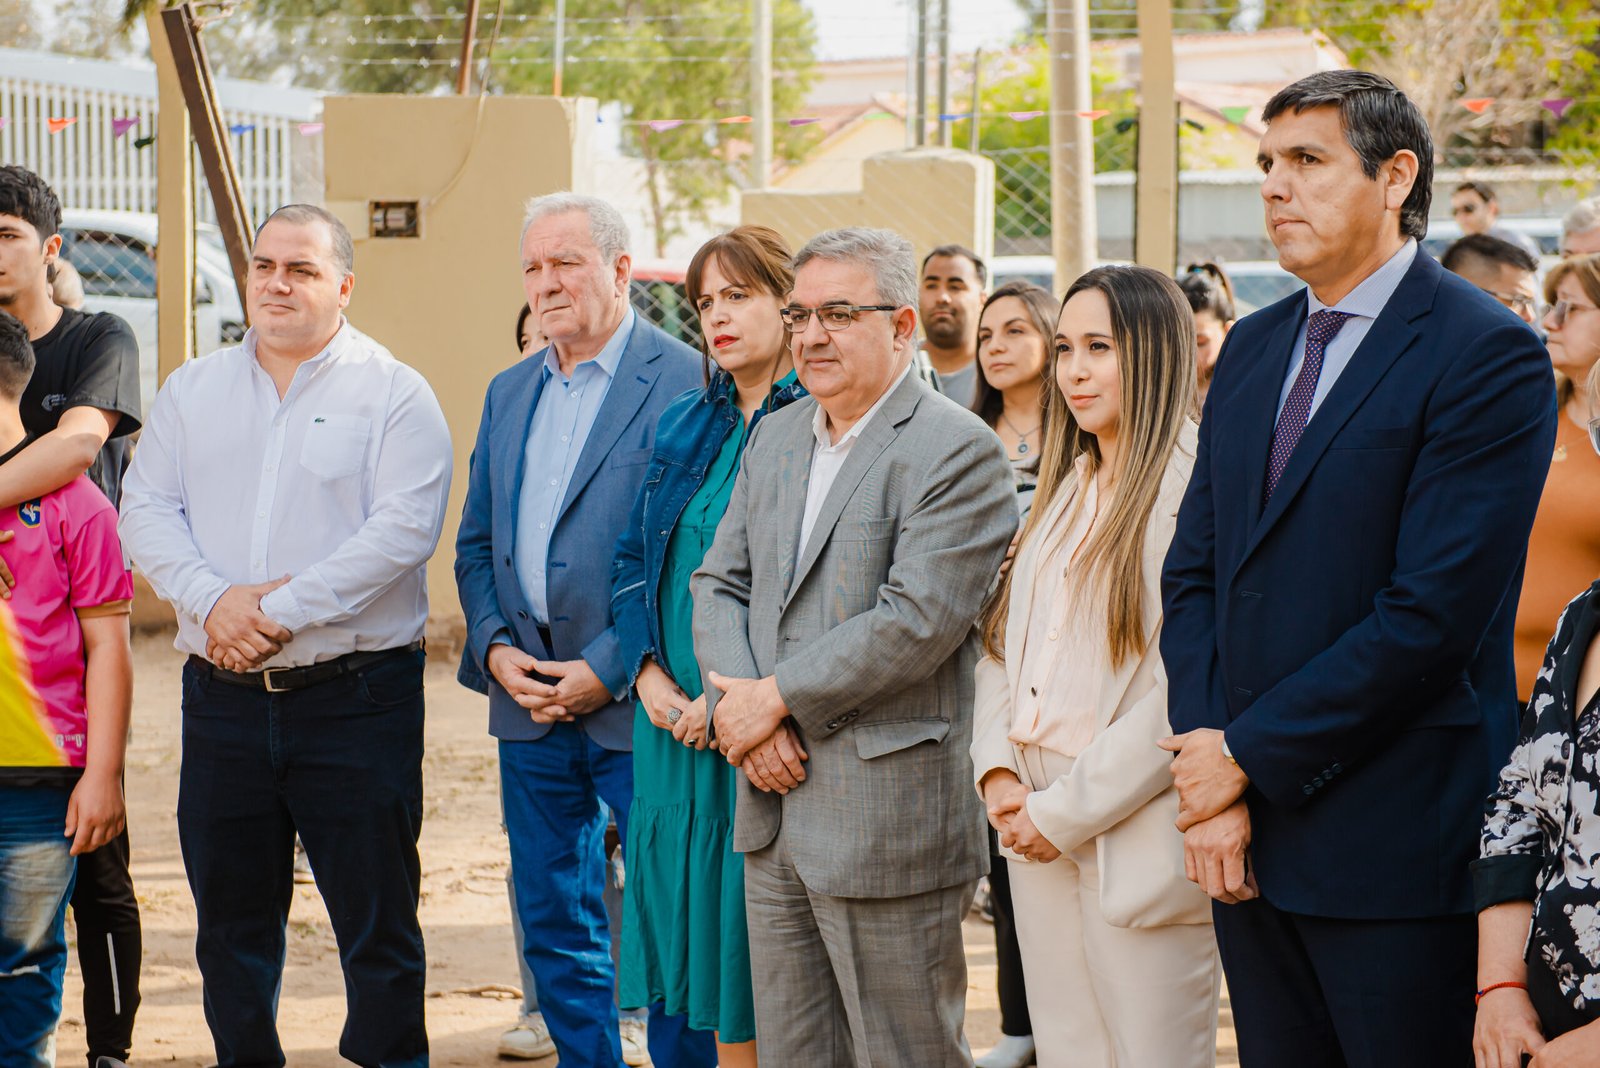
x,y
870,635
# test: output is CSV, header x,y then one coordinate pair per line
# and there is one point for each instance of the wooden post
x,y
469,35
1155,227
174,212
1074,237
210,136
761,96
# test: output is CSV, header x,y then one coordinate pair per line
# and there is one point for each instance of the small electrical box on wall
x,y
395,218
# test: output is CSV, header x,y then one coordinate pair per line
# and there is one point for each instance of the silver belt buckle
x,y
266,677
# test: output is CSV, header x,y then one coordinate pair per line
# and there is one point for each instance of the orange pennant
x,y
1092,115
57,125
1478,105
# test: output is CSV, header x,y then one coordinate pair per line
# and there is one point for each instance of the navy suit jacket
x,y
653,370
1353,635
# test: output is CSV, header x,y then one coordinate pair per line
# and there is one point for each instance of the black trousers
x,y
110,946
1014,1018
341,763
1314,992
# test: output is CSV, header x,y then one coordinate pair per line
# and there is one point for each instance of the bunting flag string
x,y
1557,106
242,128
57,125
1236,115
310,129
1478,105
122,126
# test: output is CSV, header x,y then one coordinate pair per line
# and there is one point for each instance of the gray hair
x,y
607,228
339,242
1584,216
883,252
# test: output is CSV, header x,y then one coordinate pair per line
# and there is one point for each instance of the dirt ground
x,y
472,973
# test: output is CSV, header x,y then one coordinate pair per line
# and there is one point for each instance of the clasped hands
x,y
753,733
239,636
661,697
1006,798
1212,816
553,691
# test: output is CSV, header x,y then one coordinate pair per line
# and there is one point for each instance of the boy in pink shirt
x,y
66,682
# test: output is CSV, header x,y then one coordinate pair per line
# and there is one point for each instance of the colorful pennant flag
x,y
1557,106
145,142
3,122
122,126
1093,115
955,116
241,127
57,125
664,124
310,129
735,118
801,122
1024,116
1478,105
1236,115
875,115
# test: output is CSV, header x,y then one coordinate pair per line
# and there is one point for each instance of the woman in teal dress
x,y
684,941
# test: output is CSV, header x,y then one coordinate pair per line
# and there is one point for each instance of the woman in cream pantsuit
x,y
1117,945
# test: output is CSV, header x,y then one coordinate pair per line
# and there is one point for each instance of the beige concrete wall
x,y
933,196
446,301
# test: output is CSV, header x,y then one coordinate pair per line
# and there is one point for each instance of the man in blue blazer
x,y
561,450
1339,600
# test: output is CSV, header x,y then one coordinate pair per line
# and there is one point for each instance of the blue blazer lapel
x,y
1259,403
1391,335
512,432
636,374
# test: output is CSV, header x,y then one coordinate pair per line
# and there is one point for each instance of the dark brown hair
x,y
1041,306
751,256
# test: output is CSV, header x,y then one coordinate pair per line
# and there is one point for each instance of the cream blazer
x,y
1119,792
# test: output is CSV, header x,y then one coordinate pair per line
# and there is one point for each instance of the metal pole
x,y
468,34
1074,237
919,110
946,131
977,97
175,210
561,46
761,96
1155,232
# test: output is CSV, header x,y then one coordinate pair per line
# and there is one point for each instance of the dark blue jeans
x,y
341,764
36,870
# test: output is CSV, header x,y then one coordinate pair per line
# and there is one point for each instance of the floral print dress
x,y
1541,832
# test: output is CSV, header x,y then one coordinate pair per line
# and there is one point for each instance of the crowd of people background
x,y
1228,646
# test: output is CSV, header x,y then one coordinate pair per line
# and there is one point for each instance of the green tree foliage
x,y
1116,18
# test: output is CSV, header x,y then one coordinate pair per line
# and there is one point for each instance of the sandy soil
x,y
464,912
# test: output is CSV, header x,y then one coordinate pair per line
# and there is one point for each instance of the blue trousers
x,y
36,873
341,763
556,792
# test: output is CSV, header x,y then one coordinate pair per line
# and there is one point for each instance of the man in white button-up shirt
x,y
286,496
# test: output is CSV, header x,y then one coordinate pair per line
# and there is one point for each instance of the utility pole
x,y
761,97
561,46
919,74
1074,237
1155,228
946,130
468,38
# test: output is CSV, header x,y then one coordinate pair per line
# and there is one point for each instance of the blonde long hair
x,y
1154,333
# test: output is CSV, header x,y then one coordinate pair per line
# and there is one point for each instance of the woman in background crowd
x,y
684,941
1210,295
1071,699
1014,331
1564,548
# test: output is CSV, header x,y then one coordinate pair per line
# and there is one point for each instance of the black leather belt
x,y
284,679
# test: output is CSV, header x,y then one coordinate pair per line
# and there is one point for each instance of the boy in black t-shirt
x,y
79,407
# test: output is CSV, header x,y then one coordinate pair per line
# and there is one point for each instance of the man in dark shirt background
x,y
78,409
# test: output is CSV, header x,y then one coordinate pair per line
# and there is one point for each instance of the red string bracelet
x,y
1497,986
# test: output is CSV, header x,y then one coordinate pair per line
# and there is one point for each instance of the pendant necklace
x,y
1022,438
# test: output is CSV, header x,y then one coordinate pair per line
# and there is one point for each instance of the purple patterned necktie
x,y
1322,327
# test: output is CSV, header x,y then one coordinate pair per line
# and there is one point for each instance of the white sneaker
x,y
635,1048
529,1040
1012,1051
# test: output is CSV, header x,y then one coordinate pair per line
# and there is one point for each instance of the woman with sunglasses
x,y
1537,880
1564,548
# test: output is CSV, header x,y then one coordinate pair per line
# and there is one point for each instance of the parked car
x,y
114,252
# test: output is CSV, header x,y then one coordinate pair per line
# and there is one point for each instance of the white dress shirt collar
x,y
609,356
1368,298
819,419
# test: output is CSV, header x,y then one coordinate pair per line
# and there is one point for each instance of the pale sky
x,y
850,29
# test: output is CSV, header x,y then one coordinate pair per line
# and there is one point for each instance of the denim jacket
x,y
691,431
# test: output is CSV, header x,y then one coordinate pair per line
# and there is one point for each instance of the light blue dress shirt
x,y
557,432
1364,303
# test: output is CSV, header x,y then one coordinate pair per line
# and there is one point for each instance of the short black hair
x,y
1208,288
16,358
30,198
522,320
1486,249
1483,189
965,253
1379,121
340,244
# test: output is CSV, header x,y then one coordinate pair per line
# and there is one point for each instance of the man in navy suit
x,y
561,451
1339,599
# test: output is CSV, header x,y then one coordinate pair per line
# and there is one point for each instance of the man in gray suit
x,y
834,621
